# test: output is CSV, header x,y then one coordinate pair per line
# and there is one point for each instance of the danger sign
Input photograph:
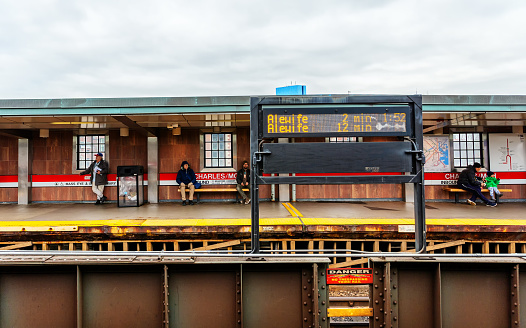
x,y
349,276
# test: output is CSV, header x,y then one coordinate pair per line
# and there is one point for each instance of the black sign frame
x,y
414,135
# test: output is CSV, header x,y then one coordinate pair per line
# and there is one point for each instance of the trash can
x,y
130,186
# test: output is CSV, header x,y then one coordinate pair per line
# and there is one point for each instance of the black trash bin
x,y
130,186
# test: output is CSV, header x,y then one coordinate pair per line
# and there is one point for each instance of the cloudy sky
x,y
133,48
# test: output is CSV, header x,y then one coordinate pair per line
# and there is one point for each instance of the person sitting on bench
x,y
243,182
468,181
186,178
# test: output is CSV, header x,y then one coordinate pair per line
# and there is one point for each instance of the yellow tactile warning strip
x,y
85,223
392,221
39,228
221,222
295,220
292,210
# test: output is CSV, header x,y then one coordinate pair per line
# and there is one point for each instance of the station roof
x,y
233,111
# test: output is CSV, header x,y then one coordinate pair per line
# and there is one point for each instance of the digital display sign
x,y
344,122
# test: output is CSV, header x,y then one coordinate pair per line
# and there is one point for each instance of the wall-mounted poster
x,y
507,152
436,150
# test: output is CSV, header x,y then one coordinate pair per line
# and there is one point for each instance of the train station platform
x,y
41,216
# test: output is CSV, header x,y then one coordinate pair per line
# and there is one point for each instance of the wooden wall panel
x,y
173,150
358,191
8,195
53,155
243,147
127,151
59,194
8,156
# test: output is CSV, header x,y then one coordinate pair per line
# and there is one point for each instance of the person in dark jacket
x,y
99,171
186,178
468,181
243,182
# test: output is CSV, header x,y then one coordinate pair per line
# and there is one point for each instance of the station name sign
x,y
326,122
349,276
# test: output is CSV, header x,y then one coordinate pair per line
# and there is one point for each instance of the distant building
x,y
292,90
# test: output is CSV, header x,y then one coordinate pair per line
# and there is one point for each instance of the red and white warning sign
x,y
349,276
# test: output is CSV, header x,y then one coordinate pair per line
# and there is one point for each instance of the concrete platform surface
x,y
271,213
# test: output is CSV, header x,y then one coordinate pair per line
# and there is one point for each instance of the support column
x,y
25,158
284,189
409,193
153,170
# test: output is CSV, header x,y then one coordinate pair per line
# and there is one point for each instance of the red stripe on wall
x,y
167,176
454,175
345,174
173,176
66,177
8,178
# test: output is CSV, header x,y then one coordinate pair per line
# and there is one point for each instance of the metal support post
x,y
254,191
418,162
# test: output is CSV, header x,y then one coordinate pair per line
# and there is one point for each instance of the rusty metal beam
x,y
469,116
515,315
166,307
378,296
148,132
19,134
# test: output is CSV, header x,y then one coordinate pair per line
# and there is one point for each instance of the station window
x,y
87,147
342,139
218,150
467,149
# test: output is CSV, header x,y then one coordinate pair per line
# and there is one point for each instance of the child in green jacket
x,y
491,183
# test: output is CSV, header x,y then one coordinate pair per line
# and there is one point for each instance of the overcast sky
x,y
128,48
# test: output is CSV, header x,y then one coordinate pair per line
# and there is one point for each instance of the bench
x,y
198,192
458,190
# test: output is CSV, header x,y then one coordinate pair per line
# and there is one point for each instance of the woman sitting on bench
x,y
468,181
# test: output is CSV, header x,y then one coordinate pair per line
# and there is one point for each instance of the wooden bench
x,y
458,190
203,189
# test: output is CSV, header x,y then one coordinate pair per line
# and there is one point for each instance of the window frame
x,y
75,157
469,160
202,156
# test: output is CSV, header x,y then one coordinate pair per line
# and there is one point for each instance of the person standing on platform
x,y
243,182
99,171
186,178
468,181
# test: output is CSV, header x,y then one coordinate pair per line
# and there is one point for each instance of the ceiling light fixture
x,y
44,133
